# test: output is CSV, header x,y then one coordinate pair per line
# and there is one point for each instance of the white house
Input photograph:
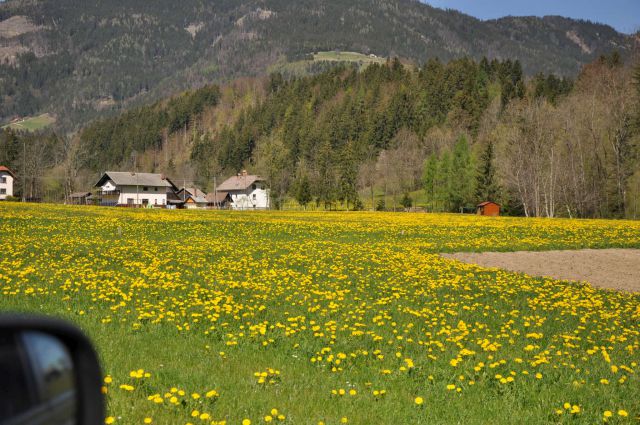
x,y
139,189
247,192
6,182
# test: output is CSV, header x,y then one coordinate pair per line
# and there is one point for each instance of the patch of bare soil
x,y
15,26
605,268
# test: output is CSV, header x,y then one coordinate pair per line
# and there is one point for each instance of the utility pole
x,y
24,170
215,192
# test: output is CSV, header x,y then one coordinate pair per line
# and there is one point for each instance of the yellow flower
x,y
268,418
148,420
623,413
109,420
246,422
607,413
419,401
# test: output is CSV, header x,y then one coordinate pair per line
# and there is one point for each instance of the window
x,y
253,187
129,201
3,179
145,189
3,191
145,201
254,196
156,189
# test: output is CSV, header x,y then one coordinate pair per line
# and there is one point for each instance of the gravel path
x,y
605,268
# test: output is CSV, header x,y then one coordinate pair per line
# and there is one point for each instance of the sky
x,y
623,15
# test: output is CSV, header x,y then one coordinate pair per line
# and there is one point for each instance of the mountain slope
x,y
80,58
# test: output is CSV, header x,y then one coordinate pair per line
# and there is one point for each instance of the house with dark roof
x,y
247,192
6,182
192,198
219,200
119,188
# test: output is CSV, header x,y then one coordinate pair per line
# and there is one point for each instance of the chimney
x,y
244,173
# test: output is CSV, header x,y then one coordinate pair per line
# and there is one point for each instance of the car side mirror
x,y
49,374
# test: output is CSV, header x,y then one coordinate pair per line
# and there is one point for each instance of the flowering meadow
x,y
209,317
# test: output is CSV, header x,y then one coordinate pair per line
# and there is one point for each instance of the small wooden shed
x,y
489,208
79,198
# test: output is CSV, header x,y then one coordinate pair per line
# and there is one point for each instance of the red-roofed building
x,y
6,182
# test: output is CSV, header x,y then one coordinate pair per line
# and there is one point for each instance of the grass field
x,y
304,318
33,123
347,57
302,67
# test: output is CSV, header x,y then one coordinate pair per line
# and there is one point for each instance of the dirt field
x,y
605,268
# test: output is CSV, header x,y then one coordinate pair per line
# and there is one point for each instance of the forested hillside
x,y
447,135
79,60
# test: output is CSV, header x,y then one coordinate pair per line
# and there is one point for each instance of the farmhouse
x,y
246,191
134,189
489,208
219,200
6,182
192,197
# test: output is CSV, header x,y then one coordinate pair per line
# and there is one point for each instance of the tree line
x,y
444,136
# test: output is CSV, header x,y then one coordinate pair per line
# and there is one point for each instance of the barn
x,y
488,208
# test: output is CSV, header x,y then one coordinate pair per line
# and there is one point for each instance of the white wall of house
x,y
109,186
6,185
255,197
138,195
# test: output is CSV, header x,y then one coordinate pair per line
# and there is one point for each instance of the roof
x,y
3,168
125,178
196,199
485,203
240,182
193,191
218,197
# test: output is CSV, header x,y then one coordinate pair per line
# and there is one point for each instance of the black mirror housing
x,y
85,369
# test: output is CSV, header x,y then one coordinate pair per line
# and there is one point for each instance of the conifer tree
x,y
429,177
303,192
486,185
461,180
